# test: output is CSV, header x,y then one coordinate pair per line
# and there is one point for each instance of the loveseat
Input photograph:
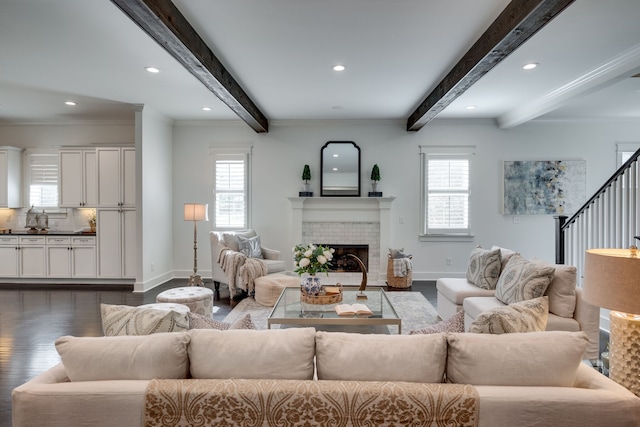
x,y
219,240
567,309
299,376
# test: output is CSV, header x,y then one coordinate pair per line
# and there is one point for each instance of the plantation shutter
x,y
448,194
231,191
43,172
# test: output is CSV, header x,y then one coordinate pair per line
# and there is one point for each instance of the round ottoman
x,y
268,288
198,299
168,306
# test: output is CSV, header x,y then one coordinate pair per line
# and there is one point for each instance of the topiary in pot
x,y
306,177
375,177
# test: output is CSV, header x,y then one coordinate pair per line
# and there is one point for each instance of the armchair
x,y
229,239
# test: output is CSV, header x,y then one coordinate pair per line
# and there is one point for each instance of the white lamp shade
x,y
612,279
196,212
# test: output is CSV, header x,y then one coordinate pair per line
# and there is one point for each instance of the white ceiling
x,y
281,52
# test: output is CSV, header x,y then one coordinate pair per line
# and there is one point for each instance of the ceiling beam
x,y
162,20
520,20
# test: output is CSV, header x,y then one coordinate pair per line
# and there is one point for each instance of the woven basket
x,y
397,282
320,299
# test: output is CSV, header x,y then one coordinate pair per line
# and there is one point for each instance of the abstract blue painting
x,y
543,187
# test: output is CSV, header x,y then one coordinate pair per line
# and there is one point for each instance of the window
x,y
231,190
624,151
42,177
446,191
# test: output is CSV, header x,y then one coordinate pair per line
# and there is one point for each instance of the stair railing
x,y
609,219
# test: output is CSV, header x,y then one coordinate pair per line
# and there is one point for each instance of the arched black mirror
x,y
340,169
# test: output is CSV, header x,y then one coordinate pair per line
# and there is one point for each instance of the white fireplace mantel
x,y
344,209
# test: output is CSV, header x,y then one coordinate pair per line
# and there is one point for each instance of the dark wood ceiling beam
x,y
162,20
520,20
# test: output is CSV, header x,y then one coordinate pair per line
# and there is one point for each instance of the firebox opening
x,y
344,264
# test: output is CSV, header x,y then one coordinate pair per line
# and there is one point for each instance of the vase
x,y
311,285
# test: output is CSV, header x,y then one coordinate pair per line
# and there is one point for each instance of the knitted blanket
x,y
236,264
236,402
401,266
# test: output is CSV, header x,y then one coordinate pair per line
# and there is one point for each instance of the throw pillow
x,y
453,324
127,320
547,359
505,254
484,268
125,358
286,354
250,246
562,289
344,356
522,280
526,316
198,321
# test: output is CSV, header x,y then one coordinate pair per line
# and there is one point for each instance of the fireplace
x,y
345,264
346,221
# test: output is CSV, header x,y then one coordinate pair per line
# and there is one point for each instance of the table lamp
x,y
612,281
195,212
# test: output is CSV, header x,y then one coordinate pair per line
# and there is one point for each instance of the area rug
x,y
412,307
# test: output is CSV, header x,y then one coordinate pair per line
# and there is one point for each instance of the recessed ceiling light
x,y
152,69
71,103
470,107
206,108
336,155
339,67
335,169
530,66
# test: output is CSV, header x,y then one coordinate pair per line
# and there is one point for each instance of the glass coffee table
x,y
289,310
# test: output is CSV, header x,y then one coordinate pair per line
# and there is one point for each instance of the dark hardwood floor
x,y
32,317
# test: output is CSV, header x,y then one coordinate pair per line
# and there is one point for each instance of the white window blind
x,y
230,190
446,190
43,180
448,194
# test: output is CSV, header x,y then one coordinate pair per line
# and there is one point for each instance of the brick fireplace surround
x,y
346,220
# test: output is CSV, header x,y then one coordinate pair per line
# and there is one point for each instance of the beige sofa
x,y
300,376
567,310
229,239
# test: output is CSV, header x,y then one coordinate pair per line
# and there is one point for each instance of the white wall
x,y
279,156
154,192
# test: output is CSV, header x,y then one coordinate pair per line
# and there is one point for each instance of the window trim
x,y
246,152
440,235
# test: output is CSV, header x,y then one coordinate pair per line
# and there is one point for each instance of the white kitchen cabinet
x,y
32,256
116,236
116,176
10,177
9,255
78,178
58,256
83,257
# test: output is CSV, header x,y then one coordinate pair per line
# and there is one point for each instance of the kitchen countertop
x,y
12,232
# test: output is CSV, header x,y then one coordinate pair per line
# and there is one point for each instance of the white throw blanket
x,y
236,264
401,267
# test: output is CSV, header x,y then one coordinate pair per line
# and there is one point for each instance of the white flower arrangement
x,y
312,258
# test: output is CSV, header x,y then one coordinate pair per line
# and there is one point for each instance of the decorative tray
x,y
323,297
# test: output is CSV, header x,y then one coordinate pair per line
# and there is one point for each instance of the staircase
x,y
609,219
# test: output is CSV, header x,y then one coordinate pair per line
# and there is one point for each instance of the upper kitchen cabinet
x,y
10,177
78,178
116,176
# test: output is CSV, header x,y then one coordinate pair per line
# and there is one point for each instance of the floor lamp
x,y
195,212
612,280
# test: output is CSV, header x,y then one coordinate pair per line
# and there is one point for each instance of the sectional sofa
x,y
299,376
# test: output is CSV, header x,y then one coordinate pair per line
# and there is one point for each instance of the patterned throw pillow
x,y
250,246
522,280
198,321
484,268
525,316
127,320
453,324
